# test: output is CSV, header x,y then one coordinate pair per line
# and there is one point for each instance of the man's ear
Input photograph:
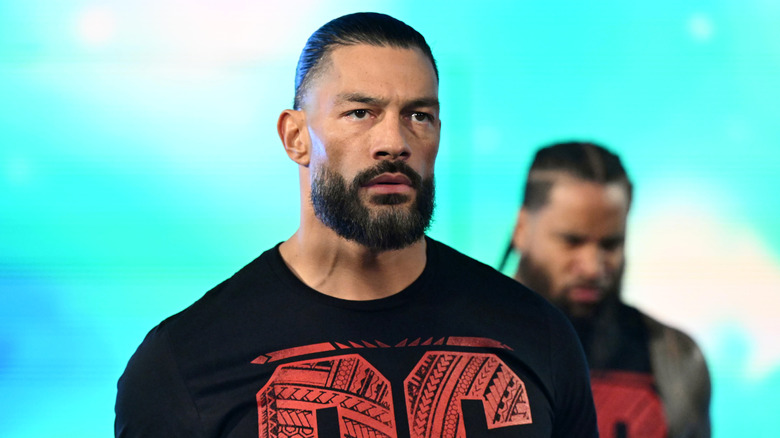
x,y
295,136
520,234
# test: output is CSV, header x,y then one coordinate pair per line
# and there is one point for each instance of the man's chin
x,y
389,200
583,301
582,310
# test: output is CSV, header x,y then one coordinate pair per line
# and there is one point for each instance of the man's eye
x,y
358,114
612,244
421,117
573,241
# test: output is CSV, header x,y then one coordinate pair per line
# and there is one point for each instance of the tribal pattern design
x,y
287,404
441,380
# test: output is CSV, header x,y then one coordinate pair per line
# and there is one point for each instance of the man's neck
x,y
345,269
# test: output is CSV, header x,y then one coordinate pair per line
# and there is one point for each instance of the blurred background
x,y
140,166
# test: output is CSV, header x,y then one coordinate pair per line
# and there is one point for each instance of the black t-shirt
x,y
462,352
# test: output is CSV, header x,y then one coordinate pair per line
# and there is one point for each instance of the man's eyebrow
x,y
617,237
359,98
424,101
570,234
370,100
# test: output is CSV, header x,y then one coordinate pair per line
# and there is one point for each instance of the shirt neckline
x,y
414,290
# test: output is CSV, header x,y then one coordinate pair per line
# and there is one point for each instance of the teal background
x,y
140,166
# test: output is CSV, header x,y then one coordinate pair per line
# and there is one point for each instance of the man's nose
x,y
591,262
390,140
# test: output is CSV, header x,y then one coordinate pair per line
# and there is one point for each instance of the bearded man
x,y
359,325
649,380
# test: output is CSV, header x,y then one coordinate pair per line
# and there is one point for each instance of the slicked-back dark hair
x,y
578,159
360,28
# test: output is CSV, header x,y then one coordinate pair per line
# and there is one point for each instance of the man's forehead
x,y
568,188
357,69
573,189
571,200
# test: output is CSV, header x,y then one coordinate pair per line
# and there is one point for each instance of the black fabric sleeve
x,y
152,399
575,413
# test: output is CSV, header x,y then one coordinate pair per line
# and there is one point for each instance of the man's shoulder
x,y
672,348
458,265
463,271
682,377
251,281
158,376
659,330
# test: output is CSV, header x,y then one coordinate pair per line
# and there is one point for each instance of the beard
x,y
390,226
538,278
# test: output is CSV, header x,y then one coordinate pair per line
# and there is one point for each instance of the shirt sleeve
x,y
575,413
683,380
152,398
702,392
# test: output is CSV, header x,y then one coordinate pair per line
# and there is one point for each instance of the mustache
x,y
590,284
604,286
388,166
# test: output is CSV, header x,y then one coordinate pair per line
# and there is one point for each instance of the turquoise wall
x,y
140,166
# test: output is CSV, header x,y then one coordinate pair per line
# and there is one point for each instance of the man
x,y
359,325
648,379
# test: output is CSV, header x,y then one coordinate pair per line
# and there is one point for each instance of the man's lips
x,y
390,183
585,294
391,178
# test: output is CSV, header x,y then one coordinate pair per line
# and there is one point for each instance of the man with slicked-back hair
x,y
359,325
649,380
